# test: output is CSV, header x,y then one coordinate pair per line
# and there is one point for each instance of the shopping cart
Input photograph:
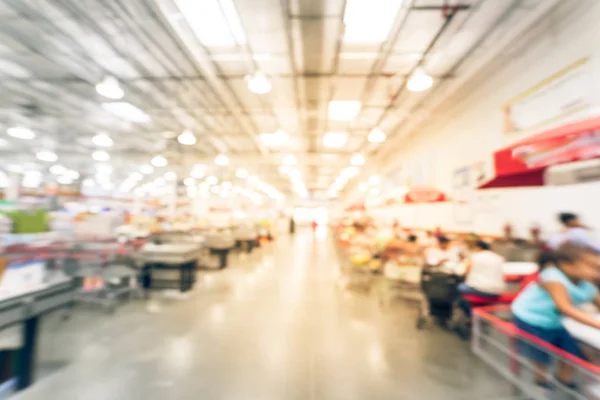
x,y
103,272
440,292
400,280
507,349
356,272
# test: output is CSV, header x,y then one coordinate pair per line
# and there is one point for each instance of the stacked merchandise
x,y
28,221
61,222
6,225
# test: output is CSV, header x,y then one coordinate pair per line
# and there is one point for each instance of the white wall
x,y
471,129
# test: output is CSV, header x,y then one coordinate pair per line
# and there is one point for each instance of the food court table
x,y
169,266
584,333
25,309
515,271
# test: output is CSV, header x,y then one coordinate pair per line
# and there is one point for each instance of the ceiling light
x,y
17,169
104,169
21,133
289,160
258,83
57,169
45,155
110,88
419,81
357,160
377,136
363,187
159,161
274,139
100,155
146,169
159,182
64,180
189,181
102,140
215,23
335,139
212,180
369,21
226,185
71,174
332,193
198,171
349,172
136,176
170,176
253,180
285,169
126,111
343,110
241,173
215,189
222,160
187,138
88,182
374,180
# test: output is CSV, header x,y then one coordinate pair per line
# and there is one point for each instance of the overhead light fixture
x,y
159,161
222,160
335,139
419,81
72,174
349,172
253,180
369,21
285,169
226,185
187,138
215,189
363,187
212,180
289,160
189,181
377,136
170,176
357,160
57,169
146,169
21,133
64,180
275,139
198,171
46,155
88,182
126,111
241,173
100,155
258,83
343,110
110,88
136,176
102,140
104,169
374,180
215,23
332,193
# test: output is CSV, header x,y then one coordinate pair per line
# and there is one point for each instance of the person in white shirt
x,y
574,232
443,255
484,275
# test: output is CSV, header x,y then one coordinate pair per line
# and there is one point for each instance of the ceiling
x,y
185,64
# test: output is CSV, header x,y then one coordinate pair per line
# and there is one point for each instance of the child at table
x,y
538,310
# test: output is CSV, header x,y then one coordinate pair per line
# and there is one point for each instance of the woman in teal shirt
x,y
562,287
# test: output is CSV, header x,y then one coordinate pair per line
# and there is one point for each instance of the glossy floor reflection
x,y
274,326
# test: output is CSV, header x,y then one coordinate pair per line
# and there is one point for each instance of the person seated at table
x,y
484,275
574,231
538,310
442,254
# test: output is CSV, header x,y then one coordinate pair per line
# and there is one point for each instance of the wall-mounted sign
x,y
567,92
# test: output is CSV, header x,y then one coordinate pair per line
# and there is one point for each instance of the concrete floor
x,y
271,327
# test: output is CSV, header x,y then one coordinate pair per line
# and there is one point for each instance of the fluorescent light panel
x,y
369,21
214,22
335,139
126,111
345,110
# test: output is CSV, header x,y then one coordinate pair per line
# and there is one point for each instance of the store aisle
x,y
272,327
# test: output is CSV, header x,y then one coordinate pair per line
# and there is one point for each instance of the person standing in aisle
x,y
574,232
292,225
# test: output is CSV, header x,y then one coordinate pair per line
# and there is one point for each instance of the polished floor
x,y
273,326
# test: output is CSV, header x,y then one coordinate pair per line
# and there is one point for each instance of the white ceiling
x,y
185,62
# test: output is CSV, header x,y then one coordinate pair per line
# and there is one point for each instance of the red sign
x,y
523,163
424,195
